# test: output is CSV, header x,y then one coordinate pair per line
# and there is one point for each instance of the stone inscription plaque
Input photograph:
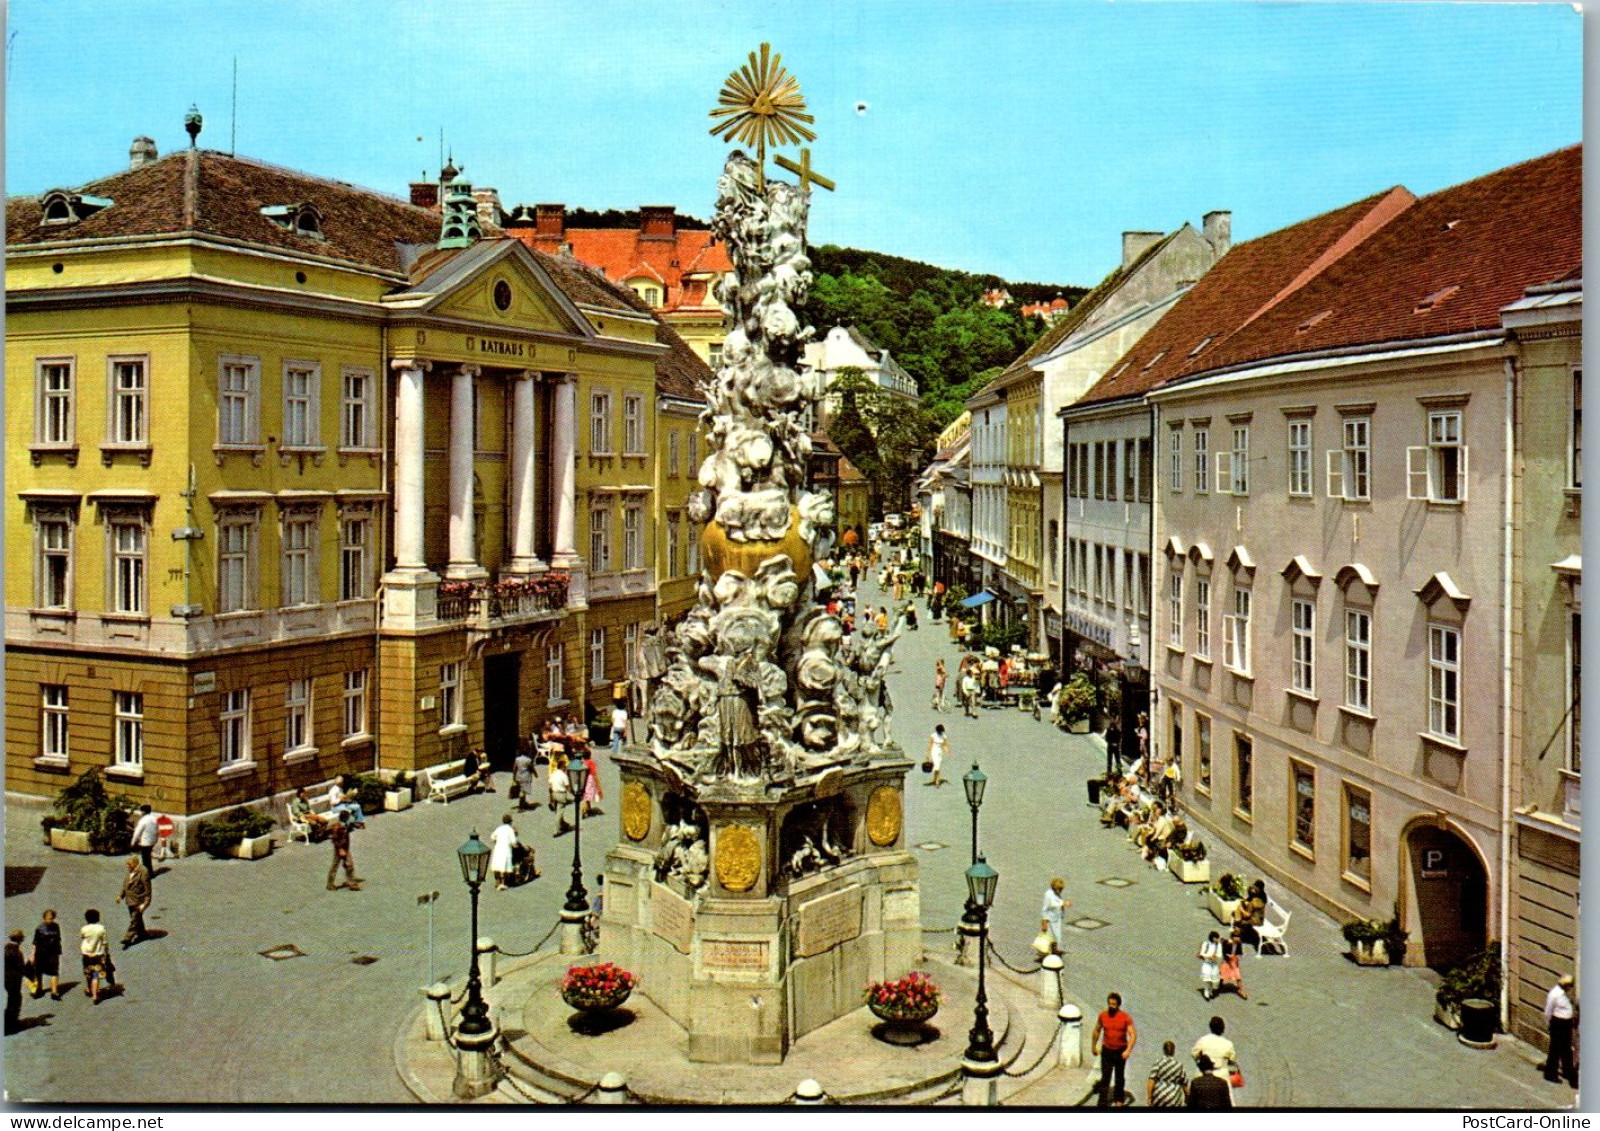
x,y
828,921
734,956
671,917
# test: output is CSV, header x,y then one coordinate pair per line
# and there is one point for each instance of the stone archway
x,y
1448,886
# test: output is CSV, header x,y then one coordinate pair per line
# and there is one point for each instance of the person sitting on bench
x,y
300,810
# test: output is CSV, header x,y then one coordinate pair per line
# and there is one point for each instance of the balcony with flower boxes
x,y
487,606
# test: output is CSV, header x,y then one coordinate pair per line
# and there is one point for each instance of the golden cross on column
x,y
803,170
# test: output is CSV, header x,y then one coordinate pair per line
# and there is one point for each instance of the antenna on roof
x,y
233,124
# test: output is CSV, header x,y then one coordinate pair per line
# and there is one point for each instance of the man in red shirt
x,y
1113,1041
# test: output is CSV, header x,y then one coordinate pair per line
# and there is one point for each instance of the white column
x,y
524,495
564,472
463,552
408,467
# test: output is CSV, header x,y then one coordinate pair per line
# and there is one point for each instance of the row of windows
x,y
681,551
127,561
633,536
602,425
675,467
1356,802
1435,471
1092,576
1092,470
127,401
1444,650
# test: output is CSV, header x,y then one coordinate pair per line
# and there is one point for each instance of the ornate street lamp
x,y
576,909
981,1065
476,1070
974,781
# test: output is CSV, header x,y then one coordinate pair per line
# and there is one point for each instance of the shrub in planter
x,y
1229,886
1194,851
1077,699
369,790
1376,942
221,836
1477,977
86,806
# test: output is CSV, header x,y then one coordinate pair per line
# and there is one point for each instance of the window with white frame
x,y
1438,472
1302,646
633,424
1202,459
674,527
673,463
356,409
1444,682
299,582
297,716
630,649
633,535
128,547
55,426
1202,618
355,703
1175,458
1350,467
694,454
355,533
53,572
693,554
235,719
300,387
127,744
450,694
715,354
1300,457
1234,465
1575,434
53,721
1175,608
600,424
1303,792
236,538
555,668
600,539
597,655
1358,659
238,402
129,401
1236,633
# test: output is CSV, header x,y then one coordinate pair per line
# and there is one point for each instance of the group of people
x,y
28,972
1169,1084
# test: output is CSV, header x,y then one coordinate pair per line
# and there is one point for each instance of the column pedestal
x,y
477,1069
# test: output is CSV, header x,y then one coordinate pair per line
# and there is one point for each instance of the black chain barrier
x,y
537,947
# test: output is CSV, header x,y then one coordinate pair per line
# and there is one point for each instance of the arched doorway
x,y
1451,895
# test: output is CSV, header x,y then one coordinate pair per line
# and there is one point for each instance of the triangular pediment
x,y
492,283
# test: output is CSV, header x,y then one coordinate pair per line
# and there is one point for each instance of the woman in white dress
x,y
938,747
503,852
1210,957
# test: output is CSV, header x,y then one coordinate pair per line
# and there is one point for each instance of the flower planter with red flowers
x,y
591,989
904,1006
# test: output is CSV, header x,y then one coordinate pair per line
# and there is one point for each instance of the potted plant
x,y
1224,896
397,798
1077,702
1188,863
595,989
905,1006
369,792
89,818
1478,978
241,833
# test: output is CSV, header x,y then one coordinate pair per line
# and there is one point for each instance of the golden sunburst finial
x,y
759,101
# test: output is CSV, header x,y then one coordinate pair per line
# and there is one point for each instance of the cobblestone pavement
x,y
207,1018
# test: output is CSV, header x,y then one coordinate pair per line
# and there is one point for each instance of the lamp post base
x,y
967,943
572,931
980,1083
477,1066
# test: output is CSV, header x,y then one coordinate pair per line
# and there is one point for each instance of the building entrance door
x,y
1452,895
501,678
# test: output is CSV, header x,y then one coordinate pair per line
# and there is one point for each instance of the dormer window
x,y
302,219
61,207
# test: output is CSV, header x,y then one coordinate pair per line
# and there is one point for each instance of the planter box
x,y
1081,726
1223,909
1189,871
1372,953
1447,1015
69,840
253,847
396,800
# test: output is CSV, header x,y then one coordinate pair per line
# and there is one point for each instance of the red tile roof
x,y
624,253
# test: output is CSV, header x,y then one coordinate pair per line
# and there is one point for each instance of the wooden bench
x,y
301,830
446,781
1270,933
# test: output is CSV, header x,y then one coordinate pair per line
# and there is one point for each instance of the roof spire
x,y
192,121
460,227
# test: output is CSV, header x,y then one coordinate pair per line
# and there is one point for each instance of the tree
x,y
888,439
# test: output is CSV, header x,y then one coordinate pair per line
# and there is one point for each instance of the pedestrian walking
x,y
619,726
1050,913
1232,953
969,694
98,972
1208,1091
1215,1049
47,955
1168,1085
938,748
339,837
560,793
145,837
135,895
1559,1014
1210,957
14,969
522,778
592,795
503,852
1112,1041
939,677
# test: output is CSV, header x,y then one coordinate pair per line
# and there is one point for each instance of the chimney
x,y
425,194
550,221
658,221
141,153
1135,244
489,211
1218,228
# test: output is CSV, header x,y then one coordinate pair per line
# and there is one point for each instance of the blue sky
x,y
1019,137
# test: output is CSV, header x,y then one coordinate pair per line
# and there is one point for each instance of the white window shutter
x,y
1224,467
1417,473
1464,477
1335,473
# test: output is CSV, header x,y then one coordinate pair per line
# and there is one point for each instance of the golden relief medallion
x,y
635,811
738,859
883,816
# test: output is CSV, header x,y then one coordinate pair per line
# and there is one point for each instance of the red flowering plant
x,y
554,583
456,588
912,998
597,987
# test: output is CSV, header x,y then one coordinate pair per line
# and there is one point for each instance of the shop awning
x,y
977,599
